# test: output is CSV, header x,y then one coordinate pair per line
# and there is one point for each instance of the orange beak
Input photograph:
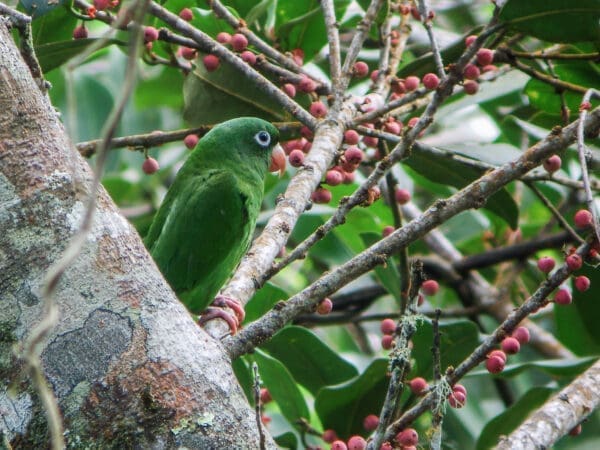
x,y
278,160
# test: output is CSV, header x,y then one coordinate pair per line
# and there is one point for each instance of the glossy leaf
x,y
387,274
263,301
55,24
55,54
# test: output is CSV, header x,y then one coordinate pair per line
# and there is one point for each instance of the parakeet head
x,y
249,141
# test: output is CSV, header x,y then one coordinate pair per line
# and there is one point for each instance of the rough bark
x,y
129,367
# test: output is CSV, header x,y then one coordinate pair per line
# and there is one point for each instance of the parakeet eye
x,y
263,138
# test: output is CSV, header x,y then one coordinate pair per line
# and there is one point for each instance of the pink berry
x,y
211,62
546,264
563,297
408,437
298,56
296,158
459,388
457,399
248,57
552,164
150,166
388,326
329,436
354,155
80,32
349,177
370,141
223,37
386,446
470,39
239,42
374,75
101,5
265,396
325,306
484,56
361,69
583,218
521,334
510,345
574,262
150,34
357,443
418,385
387,342
411,83
306,85
412,122
393,126
575,431
431,81
186,14
351,137
188,53
471,72
489,68
387,231
306,132
398,87
321,195
494,364
338,445
307,146
289,89
585,106
430,287
497,354
402,196
414,11
318,109
334,177
190,141
370,422
471,87
582,283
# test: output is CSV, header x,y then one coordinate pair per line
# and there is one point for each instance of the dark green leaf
x,y
263,301
57,24
387,275
287,440
243,373
343,408
554,20
55,54
39,8
312,363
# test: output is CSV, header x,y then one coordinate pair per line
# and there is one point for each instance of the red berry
x,y
374,75
325,306
393,126
388,326
582,283
306,85
402,196
334,177
387,342
510,345
563,297
546,264
387,231
470,39
494,364
306,132
459,388
471,87
574,262
575,431
329,436
298,56
266,420
190,141
408,437
361,69
186,14
420,300
583,218
386,446
370,141
398,87
418,385
265,396
484,56
349,177
457,399
223,37
239,42
585,106
338,445
497,353
296,158
411,83
101,5
150,166
307,146
249,57
318,109
431,81
188,53
430,287
354,155
211,62
488,68
150,34
80,32
289,89
412,122
552,164
471,72
357,443
321,195
351,137
521,334
414,11
370,422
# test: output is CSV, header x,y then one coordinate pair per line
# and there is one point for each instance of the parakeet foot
x,y
217,310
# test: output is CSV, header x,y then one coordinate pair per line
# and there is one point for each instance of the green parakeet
x,y
206,221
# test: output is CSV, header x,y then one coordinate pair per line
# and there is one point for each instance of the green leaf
x,y
510,419
343,408
554,20
56,24
282,387
287,440
55,54
243,373
387,275
495,154
441,169
145,93
263,301
310,361
39,8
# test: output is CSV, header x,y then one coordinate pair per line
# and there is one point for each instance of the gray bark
x,y
127,364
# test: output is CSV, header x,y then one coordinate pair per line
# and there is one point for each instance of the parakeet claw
x,y
217,310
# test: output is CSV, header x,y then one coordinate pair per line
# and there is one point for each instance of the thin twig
x,y
427,18
437,410
257,406
333,40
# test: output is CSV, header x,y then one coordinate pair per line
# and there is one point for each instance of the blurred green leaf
x,y
287,440
263,300
555,367
145,94
387,274
312,363
243,373
40,8
55,54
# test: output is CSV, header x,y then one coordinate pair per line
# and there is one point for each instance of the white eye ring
x,y
262,138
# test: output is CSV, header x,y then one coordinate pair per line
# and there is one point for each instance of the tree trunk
x,y
127,364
